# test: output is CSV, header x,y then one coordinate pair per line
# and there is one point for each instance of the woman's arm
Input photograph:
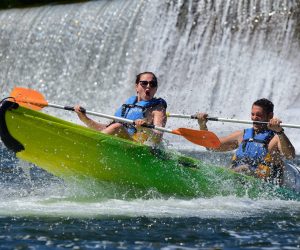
x,y
87,121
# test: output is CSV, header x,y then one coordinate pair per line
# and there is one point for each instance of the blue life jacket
x,y
134,110
253,149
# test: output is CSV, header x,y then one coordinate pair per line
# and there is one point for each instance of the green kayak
x,y
76,154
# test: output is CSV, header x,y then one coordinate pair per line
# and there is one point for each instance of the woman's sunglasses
x,y
152,84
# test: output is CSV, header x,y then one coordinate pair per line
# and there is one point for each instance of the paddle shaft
x,y
110,117
231,120
34,100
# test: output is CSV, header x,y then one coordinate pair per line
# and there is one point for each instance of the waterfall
x,y
214,56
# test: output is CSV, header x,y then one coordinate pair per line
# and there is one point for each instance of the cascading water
x,y
220,56
212,56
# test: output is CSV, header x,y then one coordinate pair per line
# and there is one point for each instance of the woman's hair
x,y
138,77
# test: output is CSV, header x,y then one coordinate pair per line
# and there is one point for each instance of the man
x,y
260,149
143,108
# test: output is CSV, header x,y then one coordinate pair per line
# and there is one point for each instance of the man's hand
x,y
274,124
202,120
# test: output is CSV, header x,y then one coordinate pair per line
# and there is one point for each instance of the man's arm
x,y
229,142
284,145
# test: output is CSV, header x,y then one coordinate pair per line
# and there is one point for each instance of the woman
x,y
143,109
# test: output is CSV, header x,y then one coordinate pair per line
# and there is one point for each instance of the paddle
x,y
230,120
33,99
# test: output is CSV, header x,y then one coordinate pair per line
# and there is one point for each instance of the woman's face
x,y
146,88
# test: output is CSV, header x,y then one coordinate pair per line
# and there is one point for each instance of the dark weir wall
x,y
213,56
4,4
21,3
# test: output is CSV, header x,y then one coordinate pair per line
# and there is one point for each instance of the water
x,y
270,231
39,211
39,222
213,56
152,233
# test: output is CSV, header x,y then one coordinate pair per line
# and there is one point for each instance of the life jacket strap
x,y
126,107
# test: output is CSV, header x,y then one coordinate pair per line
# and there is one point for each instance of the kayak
x,y
78,154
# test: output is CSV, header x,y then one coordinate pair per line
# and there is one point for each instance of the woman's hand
x,y
139,123
80,111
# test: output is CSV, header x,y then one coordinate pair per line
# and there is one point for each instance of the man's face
x,y
258,114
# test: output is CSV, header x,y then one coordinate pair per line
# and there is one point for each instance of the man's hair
x,y
266,104
138,77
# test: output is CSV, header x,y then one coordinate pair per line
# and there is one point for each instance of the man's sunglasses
x,y
153,84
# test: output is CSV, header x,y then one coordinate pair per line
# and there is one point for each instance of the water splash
x,y
218,207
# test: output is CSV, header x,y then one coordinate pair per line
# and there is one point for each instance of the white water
x,y
217,207
212,56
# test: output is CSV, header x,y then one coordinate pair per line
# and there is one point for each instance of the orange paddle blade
x,y
201,137
29,98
